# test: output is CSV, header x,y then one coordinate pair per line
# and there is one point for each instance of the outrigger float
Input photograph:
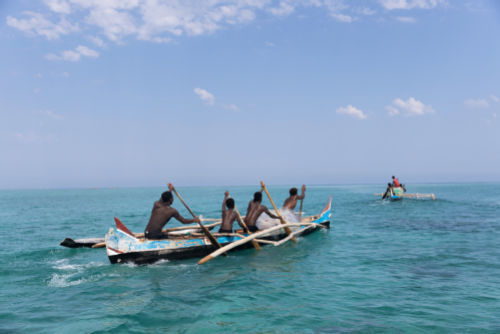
x,y
398,194
124,246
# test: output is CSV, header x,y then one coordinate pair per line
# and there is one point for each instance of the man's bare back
x,y
291,202
161,214
228,214
254,210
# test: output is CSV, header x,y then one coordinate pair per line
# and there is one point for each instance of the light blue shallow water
x,y
410,266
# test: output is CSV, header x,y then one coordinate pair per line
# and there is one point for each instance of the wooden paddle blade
x,y
205,259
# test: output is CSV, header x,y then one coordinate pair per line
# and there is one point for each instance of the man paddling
x,y
291,202
254,210
161,214
228,215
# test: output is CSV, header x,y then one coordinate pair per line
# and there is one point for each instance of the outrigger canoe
x,y
123,246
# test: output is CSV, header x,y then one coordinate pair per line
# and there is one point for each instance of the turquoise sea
x,y
415,266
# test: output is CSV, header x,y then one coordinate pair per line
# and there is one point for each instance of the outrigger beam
x,y
253,236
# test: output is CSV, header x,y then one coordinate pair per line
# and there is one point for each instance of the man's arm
x,y
235,217
303,192
226,196
183,220
266,210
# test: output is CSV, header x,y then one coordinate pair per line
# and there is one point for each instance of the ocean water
x,y
414,266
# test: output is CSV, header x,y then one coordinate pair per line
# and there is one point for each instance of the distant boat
x,y
397,193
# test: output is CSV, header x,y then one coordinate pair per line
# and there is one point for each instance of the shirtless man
x,y
291,202
254,210
161,214
228,215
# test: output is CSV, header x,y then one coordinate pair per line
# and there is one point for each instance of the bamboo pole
x,y
287,230
209,235
300,209
237,243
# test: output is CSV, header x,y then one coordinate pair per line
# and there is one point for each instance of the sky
x,y
130,93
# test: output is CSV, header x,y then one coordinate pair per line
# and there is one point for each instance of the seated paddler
x,y
228,215
161,214
291,201
254,210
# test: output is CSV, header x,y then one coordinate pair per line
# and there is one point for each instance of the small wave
x,y
64,264
64,280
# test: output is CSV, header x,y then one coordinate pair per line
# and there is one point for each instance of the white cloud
x,y
494,98
410,4
284,8
74,55
476,103
37,24
85,51
205,96
58,6
405,19
231,107
97,41
34,138
352,111
410,107
161,20
342,17
365,11
50,114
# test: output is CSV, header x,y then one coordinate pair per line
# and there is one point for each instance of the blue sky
x,y
98,93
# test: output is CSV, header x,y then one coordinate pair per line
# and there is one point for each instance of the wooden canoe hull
x,y
201,249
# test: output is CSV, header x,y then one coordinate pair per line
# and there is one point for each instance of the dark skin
x,y
254,210
161,214
228,215
291,202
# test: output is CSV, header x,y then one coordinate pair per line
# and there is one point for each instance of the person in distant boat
x,y
228,215
388,191
395,182
403,187
291,202
161,214
254,210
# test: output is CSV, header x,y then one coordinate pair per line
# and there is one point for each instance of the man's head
x,y
389,184
293,191
167,197
393,177
257,197
230,203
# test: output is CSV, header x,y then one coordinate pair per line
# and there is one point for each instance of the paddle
x,y
254,243
300,209
287,229
205,230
